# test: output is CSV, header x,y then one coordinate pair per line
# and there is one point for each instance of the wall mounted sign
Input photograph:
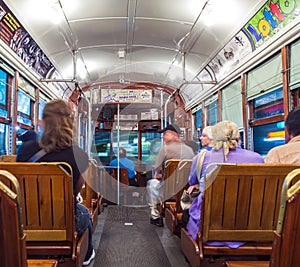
x,y
126,96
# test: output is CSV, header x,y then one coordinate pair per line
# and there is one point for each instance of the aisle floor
x,y
169,241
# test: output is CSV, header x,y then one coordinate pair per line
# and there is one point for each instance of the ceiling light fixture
x,y
121,53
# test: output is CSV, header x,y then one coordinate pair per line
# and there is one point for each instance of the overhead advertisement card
x,y
126,95
17,38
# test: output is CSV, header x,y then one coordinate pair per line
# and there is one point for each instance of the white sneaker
x,y
87,262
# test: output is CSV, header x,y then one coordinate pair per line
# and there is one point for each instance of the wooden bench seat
x,y
173,211
48,211
169,188
12,236
286,245
92,199
240,203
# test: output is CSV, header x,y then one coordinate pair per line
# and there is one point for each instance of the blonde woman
x,y
225,148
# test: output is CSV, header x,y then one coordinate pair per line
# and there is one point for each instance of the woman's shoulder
x,y
27,150
252,156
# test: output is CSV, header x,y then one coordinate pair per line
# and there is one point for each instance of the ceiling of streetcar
x,y
100,41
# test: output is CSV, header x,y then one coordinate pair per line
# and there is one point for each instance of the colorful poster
x,y
270,19
126,96
16,37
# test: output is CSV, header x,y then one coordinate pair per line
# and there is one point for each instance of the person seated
x,y
206,141
206,138
290,152
124,162
29,135
56,145
225,149
172,148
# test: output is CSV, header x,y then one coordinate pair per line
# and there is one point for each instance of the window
x,y
198,122
41,108
212,113
3,137
127,140
102,146
151,143
268,136
24,108
23,103
268,105
3,93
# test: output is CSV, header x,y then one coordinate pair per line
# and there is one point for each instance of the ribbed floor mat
x,y
129,240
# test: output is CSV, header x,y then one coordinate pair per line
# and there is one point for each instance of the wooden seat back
x,y
286,245
181,182
122,173
242,201
48,205
8,158
169,176
89,190
92,199
122,185
12,237
48,209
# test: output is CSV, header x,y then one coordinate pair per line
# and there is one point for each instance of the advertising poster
x,y
16,37
126,96
270,19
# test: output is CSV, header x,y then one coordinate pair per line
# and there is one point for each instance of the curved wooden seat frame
x,y
12,236
286,245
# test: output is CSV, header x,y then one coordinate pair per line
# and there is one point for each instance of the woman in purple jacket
x,y
226,149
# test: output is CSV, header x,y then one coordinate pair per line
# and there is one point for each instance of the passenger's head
x,y
122,153
225,135
171,133
292,122
57,126
206,136
28,136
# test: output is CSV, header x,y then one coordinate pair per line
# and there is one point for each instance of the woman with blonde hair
x,y
56,145
225,148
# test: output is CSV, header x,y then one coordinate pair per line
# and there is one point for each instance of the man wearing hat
x,y
172,148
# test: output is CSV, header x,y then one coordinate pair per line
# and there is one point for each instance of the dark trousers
x,y
83,221
133,182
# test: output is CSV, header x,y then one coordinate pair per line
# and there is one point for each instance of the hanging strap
x,y
37,155
200,163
